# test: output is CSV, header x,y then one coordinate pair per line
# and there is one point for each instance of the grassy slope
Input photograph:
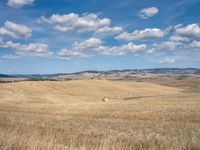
x,y
71,114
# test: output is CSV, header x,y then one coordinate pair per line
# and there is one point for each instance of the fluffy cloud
x,y
167,60
81,23
109,30
189,31
67,20
88,22
15,30
32,49
87,44
146,34
80,49
130,47
121,50
148,12
195,45
19,3
169,45
93,46
67,53
177,38
62,28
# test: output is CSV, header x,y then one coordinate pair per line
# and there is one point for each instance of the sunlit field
x,y
62,115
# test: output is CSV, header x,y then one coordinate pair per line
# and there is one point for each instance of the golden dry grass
x,y
71,115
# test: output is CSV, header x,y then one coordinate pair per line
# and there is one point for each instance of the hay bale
x,y
105,99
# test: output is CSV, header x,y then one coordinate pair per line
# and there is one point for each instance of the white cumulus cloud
x,y
168,45
19,3
146,34
67,53
195,45
109,30
80,23
81,49
178,38
87,22
87,44
120,50
95,46
15,30
32,49
146,13
189,31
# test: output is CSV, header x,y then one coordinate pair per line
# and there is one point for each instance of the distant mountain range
x,y
129,74
6,76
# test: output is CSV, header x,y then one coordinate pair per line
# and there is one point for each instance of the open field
x,y
59,115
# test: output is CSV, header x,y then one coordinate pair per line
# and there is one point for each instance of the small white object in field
x,y
10,92
105,99
118,97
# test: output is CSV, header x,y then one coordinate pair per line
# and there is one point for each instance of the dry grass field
x,y
70,115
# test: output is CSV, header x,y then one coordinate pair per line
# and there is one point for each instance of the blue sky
x,y
61,36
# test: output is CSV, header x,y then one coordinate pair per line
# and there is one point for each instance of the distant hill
x,y
5,76
134,74
128,74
